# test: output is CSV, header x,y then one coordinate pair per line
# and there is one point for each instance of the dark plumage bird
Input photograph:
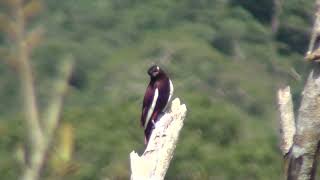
x,y
156,99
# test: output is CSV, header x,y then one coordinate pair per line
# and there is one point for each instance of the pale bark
x,y
287,122
154,162
313,53
301,156
300,139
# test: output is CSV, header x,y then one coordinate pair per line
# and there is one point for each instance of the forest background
x,y
226,58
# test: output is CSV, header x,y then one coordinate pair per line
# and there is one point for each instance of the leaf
x,y
4,22
8,26
9,58
11,30
4,52
10,3
32,8
65,146
61,159
34,37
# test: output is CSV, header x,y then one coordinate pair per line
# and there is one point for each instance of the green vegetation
x,y
225,63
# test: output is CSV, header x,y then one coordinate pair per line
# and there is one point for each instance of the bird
x,y
156,99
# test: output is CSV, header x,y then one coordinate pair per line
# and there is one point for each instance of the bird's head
x,y
155,71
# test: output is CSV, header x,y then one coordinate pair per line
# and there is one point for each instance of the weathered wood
x,y
302,157
287,122
154,162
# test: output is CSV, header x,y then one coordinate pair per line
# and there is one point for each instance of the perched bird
x,y
156,99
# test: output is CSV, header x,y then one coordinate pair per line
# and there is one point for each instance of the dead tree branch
x,y
287,122
301,156
313,53
154,162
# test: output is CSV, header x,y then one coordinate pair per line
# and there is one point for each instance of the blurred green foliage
x,y
225,63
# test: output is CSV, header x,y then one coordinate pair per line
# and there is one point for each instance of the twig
x,y
313,53
154,162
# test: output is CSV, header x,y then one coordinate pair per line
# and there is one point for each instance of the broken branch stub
x,y
154,162
287,122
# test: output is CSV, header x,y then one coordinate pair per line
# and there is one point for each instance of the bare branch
x,y
287,122
313,53
154,162
303,154
32,172
54,109
27,81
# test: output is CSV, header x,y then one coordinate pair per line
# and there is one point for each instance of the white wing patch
x,y
151,109
170,95
171,90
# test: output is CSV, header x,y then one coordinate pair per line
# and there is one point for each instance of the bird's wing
x,y
170,94
143,116
155,104
152,107
148,97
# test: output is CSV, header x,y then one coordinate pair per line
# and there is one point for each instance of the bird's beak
x,y
154,74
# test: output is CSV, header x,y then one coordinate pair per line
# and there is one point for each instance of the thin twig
x,y
313,53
